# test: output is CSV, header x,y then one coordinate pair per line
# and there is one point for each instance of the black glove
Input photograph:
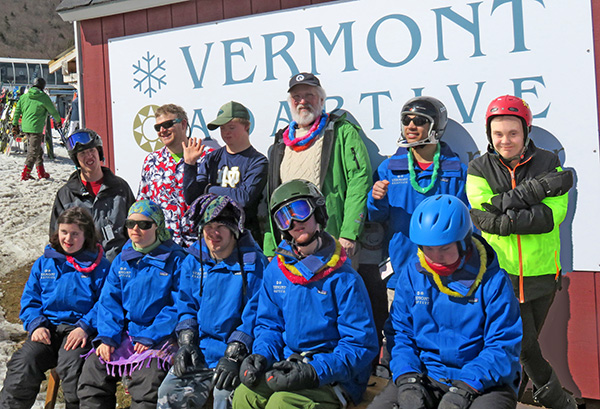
x,y
189,358
460,396
227,372
556,183
501,225
412,394
253,367
292,376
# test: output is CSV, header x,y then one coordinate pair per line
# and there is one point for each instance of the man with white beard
x,y
327,150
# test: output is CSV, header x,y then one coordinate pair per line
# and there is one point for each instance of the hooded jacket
x,y
397,207
218,299
56,293
325,311
346,179
140,295
34,107
475,339
108,209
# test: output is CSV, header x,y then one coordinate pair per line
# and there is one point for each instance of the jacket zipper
x,y
355,158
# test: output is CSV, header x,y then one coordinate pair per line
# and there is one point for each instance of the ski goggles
x,y
142,224
82,138
167,124
299,210
417,120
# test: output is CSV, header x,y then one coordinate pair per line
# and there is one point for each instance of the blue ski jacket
x,y
218,299
139,295
56,293
474,338
396,208
329,317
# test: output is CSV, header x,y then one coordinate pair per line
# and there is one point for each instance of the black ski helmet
x,y
430,108
76,144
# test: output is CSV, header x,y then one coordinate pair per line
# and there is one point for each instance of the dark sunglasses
x,y
167,124
142,224
417,120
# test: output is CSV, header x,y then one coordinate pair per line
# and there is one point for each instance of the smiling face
x,y
70,237
306,104
172,137
219,239
508,137
414,133
142,238
89,160
445,255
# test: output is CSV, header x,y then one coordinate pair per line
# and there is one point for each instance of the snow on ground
x,y
24,219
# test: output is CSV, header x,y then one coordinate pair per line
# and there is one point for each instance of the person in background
x,y
58,310
327,150
137,315
315,337
236,170
97,189
32,110
162,172
454,332
519,198
218,295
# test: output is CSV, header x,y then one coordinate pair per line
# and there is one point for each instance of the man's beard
x,y
305,117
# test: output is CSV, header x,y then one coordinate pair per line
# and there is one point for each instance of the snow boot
x,y
42,172
26,174
552,395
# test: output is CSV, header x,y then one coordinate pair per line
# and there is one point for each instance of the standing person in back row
x,y
236,170
32,109
423,166
519,197
327,150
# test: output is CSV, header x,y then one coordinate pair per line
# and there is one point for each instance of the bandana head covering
x,y
150,209
213,208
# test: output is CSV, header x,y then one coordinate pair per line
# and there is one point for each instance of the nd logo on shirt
x,y
228,177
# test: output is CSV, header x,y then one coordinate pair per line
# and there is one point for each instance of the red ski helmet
x,y
509,105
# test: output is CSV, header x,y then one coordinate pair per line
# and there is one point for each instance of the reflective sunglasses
x,y
418,120
299,210
81,138
142,224
167,124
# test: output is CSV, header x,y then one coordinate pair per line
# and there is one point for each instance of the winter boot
x,y
26,174
42,172
552,395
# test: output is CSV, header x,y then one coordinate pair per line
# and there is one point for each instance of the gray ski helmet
x,y
81,140
430,108
39,82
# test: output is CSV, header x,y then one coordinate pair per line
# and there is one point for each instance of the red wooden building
x,y
572,332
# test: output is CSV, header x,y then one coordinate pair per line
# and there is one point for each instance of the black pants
x,y
533,315
500,397
97,388
26,370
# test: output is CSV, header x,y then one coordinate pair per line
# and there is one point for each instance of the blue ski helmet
x,y
440,220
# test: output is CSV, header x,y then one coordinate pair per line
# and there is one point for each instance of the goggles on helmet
x,y
82,138
299,210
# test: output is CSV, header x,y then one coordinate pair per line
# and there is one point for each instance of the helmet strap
x,y
297,247
413,176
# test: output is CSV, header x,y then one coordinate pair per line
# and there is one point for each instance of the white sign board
x,y
372,56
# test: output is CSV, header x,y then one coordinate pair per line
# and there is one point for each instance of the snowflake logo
x,y
148,76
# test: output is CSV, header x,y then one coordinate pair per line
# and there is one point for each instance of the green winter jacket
x,y
34,107
345,185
